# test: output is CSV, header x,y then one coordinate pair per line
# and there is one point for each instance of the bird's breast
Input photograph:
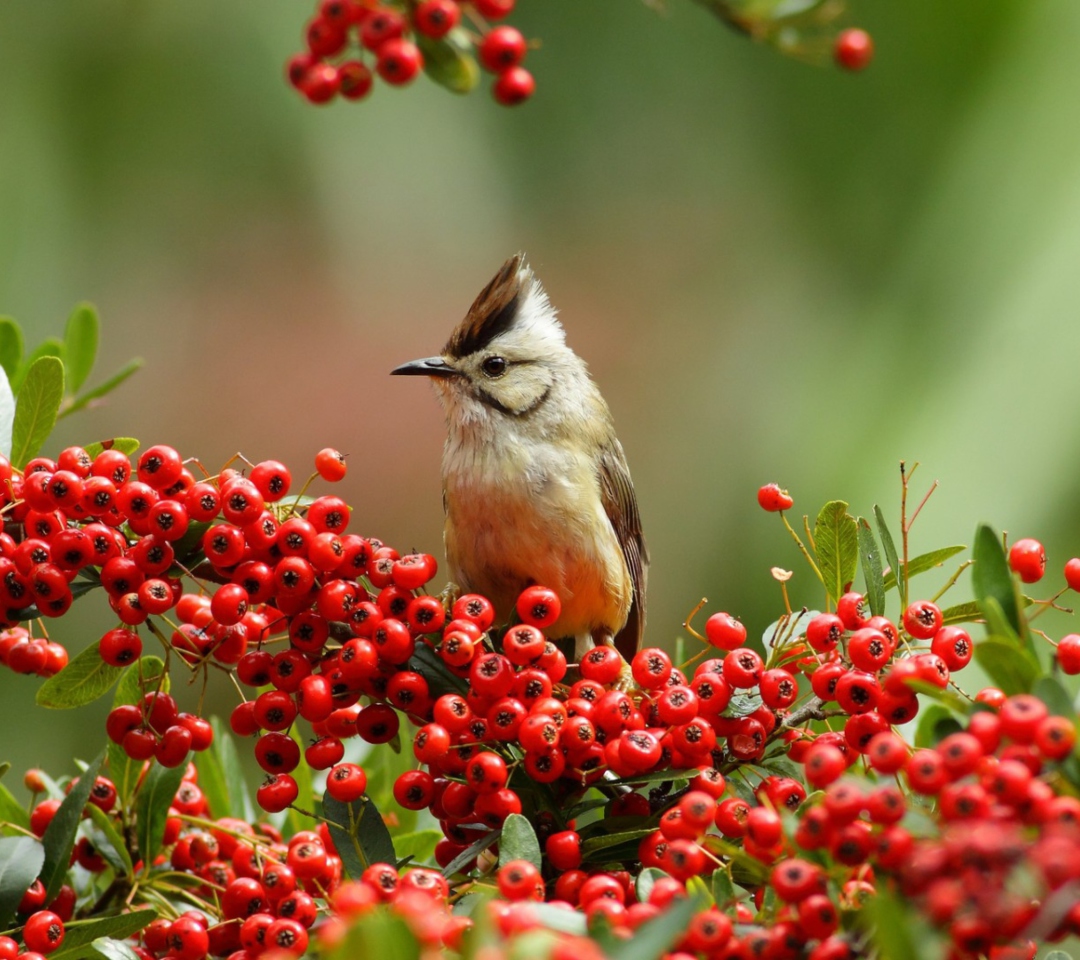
x,y
518,514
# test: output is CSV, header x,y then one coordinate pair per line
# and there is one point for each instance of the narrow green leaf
x,y
897,931
112,949
922,563
655,937
213,784
992,579
602,842
82,681
955,704
871,567
152,804
7,414
11,811
126,445
4,768
518,841
723,890
1051,692
377,934
49,347
836,542
449,62
294,819
240,802
961,613
35,409
79,934
1057,955
654,776
20,861
11,346
470,853
1012,668
145,675
80,345
996,623
557,918
359,834
889,549
114,849
108,386
59,838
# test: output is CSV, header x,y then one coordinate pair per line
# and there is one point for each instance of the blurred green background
x,y
776,272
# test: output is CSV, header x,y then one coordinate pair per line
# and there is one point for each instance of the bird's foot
x,y
449,594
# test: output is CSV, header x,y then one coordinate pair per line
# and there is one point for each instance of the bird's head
x,y
507,356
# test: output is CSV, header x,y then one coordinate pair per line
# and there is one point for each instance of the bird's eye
x,y
494,366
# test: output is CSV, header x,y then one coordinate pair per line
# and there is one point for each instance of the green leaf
x,y
240,803
606,840
897,931
646,881
49,347
935,723
449,62
79,934
59,838
359,834
430,666
11,811
654,776
107,387
1057,955
836,543
7,414
956,705
655,937
152,803
1012,668
961,613
377,934
294,819
419,845
991,578
889,549
871,567
20,861
518,841
80,344
723,890
471,852
35,409
922,563
558,918
82,681
114,849
151,671
1051,692
112,949
126,445
11,346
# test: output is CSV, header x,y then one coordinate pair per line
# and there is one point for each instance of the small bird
x,y
535,484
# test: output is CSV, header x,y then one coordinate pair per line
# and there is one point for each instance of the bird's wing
x,y
620,505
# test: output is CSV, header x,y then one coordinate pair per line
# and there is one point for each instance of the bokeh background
x,y
776,272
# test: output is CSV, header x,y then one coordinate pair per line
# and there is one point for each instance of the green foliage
x,y
82,681
21,859
994,585
36,406
359,833
920,564
518,841
449,62
836,543
152,804
870,559
148,674
59,838
79,934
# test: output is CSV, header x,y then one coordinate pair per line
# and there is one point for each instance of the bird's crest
x,y
494,310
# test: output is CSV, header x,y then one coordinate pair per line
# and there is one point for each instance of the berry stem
x,y
802,546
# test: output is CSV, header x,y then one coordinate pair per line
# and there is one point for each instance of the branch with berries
x,y
350,43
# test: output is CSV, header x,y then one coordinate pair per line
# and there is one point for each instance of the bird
x,y
536,488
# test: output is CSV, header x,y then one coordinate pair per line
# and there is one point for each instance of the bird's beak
x,y
428,367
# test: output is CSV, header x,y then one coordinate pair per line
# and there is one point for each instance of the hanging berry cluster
x,y
350,42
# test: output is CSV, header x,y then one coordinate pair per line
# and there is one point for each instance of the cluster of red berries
x,y
394,36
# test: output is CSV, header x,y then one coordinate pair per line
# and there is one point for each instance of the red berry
x,y
44,932
854,49
398,61
1027,558
329,463
1072,574
320,83
513,86
354,83
436,18
538,606
922,619
277,793
494,9
520,880
346,782
120,647
770,497
502,48
723,631
1068,653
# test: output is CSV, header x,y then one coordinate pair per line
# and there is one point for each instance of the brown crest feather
x,y
492,311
